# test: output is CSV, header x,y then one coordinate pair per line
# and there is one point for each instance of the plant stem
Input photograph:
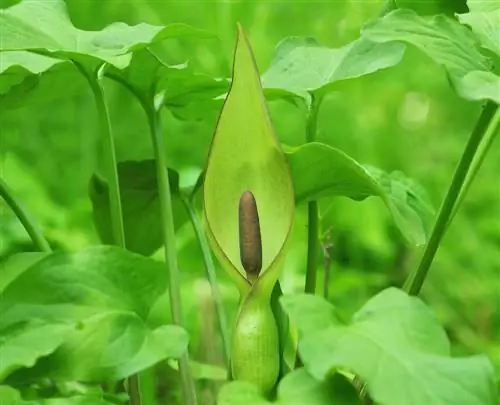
x,y
116,211
327,263
312,207
109,145
34,231
211,276
415,281
167,225
482,150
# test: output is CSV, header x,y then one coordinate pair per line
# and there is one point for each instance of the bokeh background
x,y
404,118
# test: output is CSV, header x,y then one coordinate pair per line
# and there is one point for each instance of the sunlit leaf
x,y
301,65
46,26
319,171
397,346
140,205
107,292
486,25
297,388
447,42
246,155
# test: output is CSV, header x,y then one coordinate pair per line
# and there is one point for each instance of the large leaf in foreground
x,y
107,292
140,205
46,26
297,388
396,345
29,78
302,65
486,26
320,171
448,43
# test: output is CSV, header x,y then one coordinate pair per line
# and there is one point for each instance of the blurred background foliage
x,y
405,118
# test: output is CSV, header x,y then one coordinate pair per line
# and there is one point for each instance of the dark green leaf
x,y
9,396
396,345
426,7
448,43
17,264
320,171
301,65
108,293
140,204
297,388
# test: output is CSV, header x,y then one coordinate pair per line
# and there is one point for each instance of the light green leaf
x,y
203,371
46,26
29,78
301,65
486,26
246,155
483,5
443,39
297,388
396,345
319,170
140,205
22,344
108,293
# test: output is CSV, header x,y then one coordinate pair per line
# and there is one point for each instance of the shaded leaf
x,y
443,39
10,396
29,78
16,265
140,205
396,345
319,170
301,64
297,388
427,7
246,155
108,293
46,26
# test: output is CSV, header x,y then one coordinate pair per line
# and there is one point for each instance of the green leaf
x,y
22,344
301,64
108,293
10,396
297,388
246,155
483,5
17,264
187,94
203,371
396,345
426,7
140,205
486,26
29,78
447,42
47,27
319,170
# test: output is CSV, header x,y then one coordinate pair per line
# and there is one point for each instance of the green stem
x,y
167,225
109,145
415,281
212,278
113,187
312,208
482,150
34,231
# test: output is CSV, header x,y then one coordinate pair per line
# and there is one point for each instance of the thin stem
x,y
109,145
312,208
415,281
211,276
34,230
167,225
482,150
327,263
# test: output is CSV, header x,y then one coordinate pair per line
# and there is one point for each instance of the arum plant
x,y
249,212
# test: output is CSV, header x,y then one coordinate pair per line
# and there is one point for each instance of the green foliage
x,y
94,326
396,345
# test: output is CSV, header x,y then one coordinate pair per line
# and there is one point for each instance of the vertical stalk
x,y
415,281
312,208
34,230
116,211
211,276
167,225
